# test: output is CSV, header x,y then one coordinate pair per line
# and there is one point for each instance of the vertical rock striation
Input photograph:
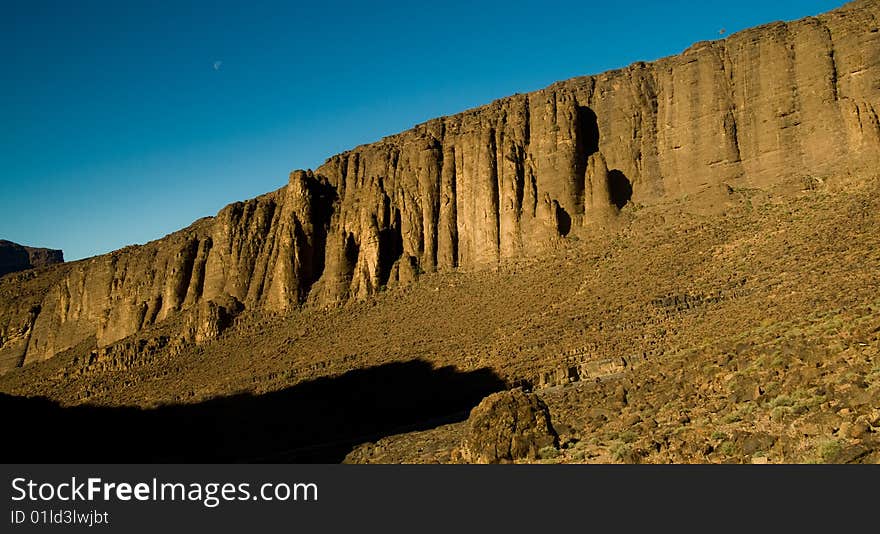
x,y
766,106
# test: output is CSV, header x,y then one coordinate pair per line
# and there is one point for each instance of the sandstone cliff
x,y
772,106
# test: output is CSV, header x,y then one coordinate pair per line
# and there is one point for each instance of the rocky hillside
x,y
747,334
15,257
784,105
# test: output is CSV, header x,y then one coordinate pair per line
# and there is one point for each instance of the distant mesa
x,y
15,257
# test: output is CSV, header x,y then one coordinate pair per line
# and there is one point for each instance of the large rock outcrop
x,y
768,106
15,257
507,426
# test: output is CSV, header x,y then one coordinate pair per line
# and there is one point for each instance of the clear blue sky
x,y
123,121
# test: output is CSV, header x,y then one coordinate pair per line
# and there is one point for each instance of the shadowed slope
x,y
315,421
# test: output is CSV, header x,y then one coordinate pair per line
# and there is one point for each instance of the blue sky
x,y
125,120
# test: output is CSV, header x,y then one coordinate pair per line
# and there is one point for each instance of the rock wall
x,y
771,105
265,252
15,257
768,106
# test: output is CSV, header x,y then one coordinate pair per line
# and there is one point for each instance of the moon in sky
x,y
217,65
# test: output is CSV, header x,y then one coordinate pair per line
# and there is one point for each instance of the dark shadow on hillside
x,y
390,250
586,143
316,421
587,131
620,188
322,197
13,257
564,221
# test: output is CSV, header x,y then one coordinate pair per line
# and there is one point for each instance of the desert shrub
x,y
719,435
548,453
627,436
829,449
732,417
621,452
728,448
778,413
782,400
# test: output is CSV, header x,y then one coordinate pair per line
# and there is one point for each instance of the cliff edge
x,y
775,106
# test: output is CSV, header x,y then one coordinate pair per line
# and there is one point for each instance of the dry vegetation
x,y
748,333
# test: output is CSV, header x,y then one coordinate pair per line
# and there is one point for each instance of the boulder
x,y
214,316
508,426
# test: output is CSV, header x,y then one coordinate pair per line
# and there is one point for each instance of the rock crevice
x,y
764,107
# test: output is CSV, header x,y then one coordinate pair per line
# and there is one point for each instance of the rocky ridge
x,y
750,334
783,105
15,257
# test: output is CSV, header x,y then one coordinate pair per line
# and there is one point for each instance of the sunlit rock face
x,y
767,106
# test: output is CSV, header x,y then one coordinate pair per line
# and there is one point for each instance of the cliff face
x,y
15,257
771,105
775,105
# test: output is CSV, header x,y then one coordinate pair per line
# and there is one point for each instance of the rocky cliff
x,y
779,105
15,257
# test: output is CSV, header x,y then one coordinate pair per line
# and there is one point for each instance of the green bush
x,y
621,452
828,450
